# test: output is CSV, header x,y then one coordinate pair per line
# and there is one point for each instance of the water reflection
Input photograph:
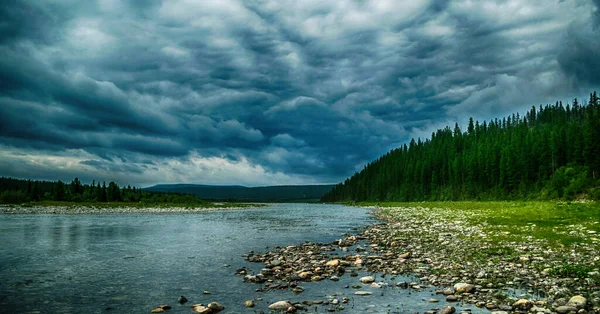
x,y
132,263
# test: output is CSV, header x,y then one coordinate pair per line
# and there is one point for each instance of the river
x,y
131,263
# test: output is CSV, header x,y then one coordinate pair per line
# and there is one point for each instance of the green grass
x,y
559,223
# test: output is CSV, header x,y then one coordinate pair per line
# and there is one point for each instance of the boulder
x,y
182,300
249,303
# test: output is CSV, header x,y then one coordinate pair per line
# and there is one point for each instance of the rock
x,y
249,303
333,263
451,298
433,300
280,306
216,307
405,255
161,308
462,287
363,293
447,310
491,306
403,285
499,312
523,304
200,308
577,301
182,300
275,262
447,291
206,292
367,279
334,278
563,309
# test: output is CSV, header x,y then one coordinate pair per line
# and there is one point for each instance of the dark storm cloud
x,y
261,92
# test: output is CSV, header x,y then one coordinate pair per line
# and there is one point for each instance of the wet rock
x,y
201,308
451,298
280,306
447,310
367,279
403,285
216,307
161,308
182,299
363,293
447,291
249,303
523,304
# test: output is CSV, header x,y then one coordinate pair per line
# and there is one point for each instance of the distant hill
x,y
283,193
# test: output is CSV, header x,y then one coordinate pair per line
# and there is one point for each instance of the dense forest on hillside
x,y
14,191
552,152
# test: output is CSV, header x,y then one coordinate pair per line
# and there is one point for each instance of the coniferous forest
x,y
552,152
13,191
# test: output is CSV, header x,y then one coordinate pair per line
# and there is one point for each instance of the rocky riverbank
x,y
462,261
83,209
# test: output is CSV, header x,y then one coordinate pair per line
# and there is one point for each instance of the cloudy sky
x,y
265,92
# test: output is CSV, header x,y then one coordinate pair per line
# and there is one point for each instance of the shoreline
x,y
73,209
477,263
458,254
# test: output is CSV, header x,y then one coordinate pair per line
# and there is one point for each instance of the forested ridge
x,y
552,152
20,191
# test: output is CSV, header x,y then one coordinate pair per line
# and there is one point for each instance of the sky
x,y
269,92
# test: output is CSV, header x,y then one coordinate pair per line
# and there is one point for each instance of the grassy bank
x,y
559,223
547,249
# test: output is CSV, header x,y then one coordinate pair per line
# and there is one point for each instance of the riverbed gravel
x,y
464,262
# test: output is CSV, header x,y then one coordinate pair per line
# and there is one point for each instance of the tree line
x,y
552,152
15,191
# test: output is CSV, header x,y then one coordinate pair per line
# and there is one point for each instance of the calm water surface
x,y
130,263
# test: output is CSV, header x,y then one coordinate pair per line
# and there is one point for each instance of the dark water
x,y
130,263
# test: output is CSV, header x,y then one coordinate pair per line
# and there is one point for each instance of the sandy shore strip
x,y
76,209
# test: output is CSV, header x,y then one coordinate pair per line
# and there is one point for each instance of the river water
x,y
131,263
